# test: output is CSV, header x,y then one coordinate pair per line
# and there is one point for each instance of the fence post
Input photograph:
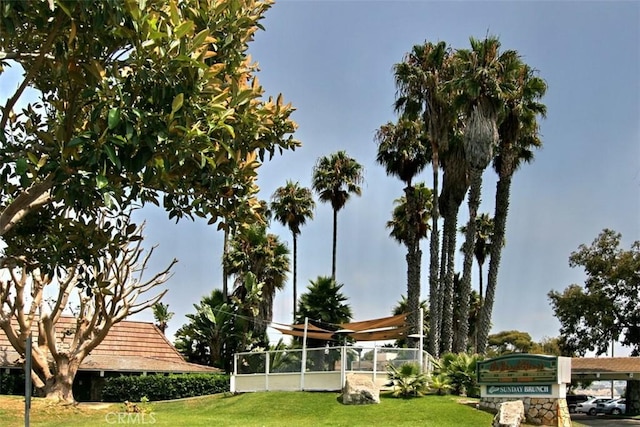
x,y
303,365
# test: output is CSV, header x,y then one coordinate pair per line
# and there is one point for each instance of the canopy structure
x,y
385,328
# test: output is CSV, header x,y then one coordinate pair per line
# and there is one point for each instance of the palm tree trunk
x,y
450,231
414,257
503,190
444,259
462,328
335,241
295,275
434,283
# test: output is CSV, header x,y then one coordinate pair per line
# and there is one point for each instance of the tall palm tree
x,y
162,315
335,178
402,307
518,136
455,182
253,250
403,153
483,75
292,205
420,79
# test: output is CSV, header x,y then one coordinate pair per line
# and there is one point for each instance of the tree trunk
x,y
633,397
434,246
295,275
414,257
225,275
503,190
59,387
450,231
462,328
335,241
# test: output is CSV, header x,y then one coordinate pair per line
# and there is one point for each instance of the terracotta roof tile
x,y
129,346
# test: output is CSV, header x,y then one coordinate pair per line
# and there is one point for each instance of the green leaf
x,y
21,166
177,102
101,181
114,118
183,29
112,155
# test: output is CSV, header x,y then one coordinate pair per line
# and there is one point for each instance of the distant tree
x,y
292,205
117,284
335,178
607,308
162,315
510,342
261,254
323,302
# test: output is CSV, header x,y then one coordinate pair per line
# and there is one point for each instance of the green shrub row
x,y
163,387
12,383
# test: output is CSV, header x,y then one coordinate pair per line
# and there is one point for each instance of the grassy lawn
x,y
255,409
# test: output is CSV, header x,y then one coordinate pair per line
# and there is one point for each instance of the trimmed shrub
x,y
12,383
163,387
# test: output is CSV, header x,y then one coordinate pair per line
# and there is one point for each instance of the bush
x,y
407,381
12,383
163,387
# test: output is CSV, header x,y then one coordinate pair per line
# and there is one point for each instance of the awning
x,y
382,329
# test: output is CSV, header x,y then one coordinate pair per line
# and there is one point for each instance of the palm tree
x,y
420,79
291,206
518,135
403,153
455,183
402,307
483,242
324,303
335,178
262,255
162,315
483,75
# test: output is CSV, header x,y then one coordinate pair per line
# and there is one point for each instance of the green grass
x,y
258,409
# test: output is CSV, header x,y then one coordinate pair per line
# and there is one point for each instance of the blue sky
x,y
333,60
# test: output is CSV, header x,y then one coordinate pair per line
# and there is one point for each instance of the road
x,y
603,421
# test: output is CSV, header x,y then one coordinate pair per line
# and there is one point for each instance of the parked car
x,y
574,399
589,406
613,407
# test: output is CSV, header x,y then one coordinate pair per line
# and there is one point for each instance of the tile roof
x,y
605,364
129,346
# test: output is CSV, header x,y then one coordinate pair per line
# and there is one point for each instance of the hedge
x,y
163,387
12,383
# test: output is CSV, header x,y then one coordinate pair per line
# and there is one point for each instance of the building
x,y
130,348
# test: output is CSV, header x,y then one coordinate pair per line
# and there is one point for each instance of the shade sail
x,y
382,329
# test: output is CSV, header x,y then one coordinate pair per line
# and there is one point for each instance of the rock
x,y
510,414
360,390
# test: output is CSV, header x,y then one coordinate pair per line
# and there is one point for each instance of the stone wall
x,y
538,410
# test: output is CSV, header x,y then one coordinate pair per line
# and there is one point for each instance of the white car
x,y
589,406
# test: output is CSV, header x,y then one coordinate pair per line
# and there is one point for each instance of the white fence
x,y
318,369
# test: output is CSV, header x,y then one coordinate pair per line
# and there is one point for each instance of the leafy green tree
x,y
606,309
162,315
135,101
403,153
510,342
253,250
482,75
519,135
220,327
420,82
292,205
335,178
